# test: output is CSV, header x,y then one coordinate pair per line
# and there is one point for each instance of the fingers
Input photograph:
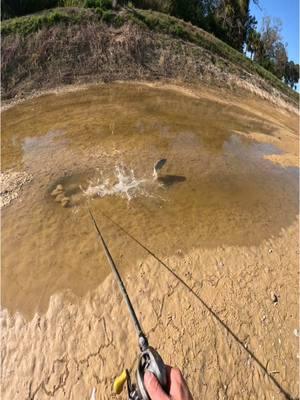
x,y
179,388
153,387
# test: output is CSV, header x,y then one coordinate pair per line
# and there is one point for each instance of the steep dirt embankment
x,y
77,46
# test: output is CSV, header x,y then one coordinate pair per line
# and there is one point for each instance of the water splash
x,y
124,184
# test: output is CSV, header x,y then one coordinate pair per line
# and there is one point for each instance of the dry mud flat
x,y
222,327
228,318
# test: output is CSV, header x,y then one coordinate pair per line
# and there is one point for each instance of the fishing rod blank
x,y
149,359
143,342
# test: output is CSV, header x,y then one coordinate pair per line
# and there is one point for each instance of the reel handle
x,y
151,361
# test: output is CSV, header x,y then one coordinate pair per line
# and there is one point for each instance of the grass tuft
x,y
28,24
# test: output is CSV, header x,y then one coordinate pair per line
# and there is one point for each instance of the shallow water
x,y
101,144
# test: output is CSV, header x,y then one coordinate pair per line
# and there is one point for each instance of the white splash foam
x,y
93,395
125,184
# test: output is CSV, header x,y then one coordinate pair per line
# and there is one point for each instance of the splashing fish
x,y
158,166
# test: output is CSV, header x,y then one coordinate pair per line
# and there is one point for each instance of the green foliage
x,y
108,16
13,8
118,20
71,3
230,20
268,49
177,30
157,5
291,74
280,60
26,25
102,4
253,42
99,12
163,24
188,11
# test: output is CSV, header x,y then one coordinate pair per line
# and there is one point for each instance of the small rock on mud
x,y
59,197
58,190
65,201
274,297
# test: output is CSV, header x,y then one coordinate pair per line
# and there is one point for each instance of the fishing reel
x,y
149,360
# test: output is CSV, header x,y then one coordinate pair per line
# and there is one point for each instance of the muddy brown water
x,y
215,190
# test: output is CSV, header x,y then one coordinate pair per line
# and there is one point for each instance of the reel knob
x,y
119,382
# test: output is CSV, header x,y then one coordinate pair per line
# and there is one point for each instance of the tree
x,y
280,59
235,22
291,74
269,37
253,42
187,10
267,47
14,8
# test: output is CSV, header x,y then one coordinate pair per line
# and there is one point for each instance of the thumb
x,y
153,387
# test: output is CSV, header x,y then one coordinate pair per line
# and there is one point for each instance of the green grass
x,y
28,24
155,21
71,3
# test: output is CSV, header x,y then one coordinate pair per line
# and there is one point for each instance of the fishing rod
x,y
149,359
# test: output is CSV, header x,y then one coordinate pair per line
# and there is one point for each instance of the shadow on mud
x,y
170,180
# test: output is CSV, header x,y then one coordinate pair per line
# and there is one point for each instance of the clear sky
x,y
288,12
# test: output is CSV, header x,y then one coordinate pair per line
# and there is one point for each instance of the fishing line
x,y
207,307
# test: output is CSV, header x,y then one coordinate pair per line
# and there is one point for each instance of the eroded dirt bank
x,y
91,52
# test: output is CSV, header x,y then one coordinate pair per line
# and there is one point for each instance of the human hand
x,y
178,389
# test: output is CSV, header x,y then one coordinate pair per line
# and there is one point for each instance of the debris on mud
x,y
60,196
11,184
274,297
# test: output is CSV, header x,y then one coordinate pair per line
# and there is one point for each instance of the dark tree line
x,y
16,8
229,20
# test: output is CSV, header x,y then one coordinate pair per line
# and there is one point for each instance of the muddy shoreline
x,y
222,327
223,94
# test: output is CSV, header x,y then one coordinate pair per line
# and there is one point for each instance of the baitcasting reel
x,y
149,360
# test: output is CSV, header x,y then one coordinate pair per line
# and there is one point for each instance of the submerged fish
x,y
158,166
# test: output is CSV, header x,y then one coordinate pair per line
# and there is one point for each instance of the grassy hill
x,y
71,45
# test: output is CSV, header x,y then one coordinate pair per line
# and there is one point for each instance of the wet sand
x,y
247,350
224,330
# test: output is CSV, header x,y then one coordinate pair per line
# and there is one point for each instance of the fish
x,y
158,166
